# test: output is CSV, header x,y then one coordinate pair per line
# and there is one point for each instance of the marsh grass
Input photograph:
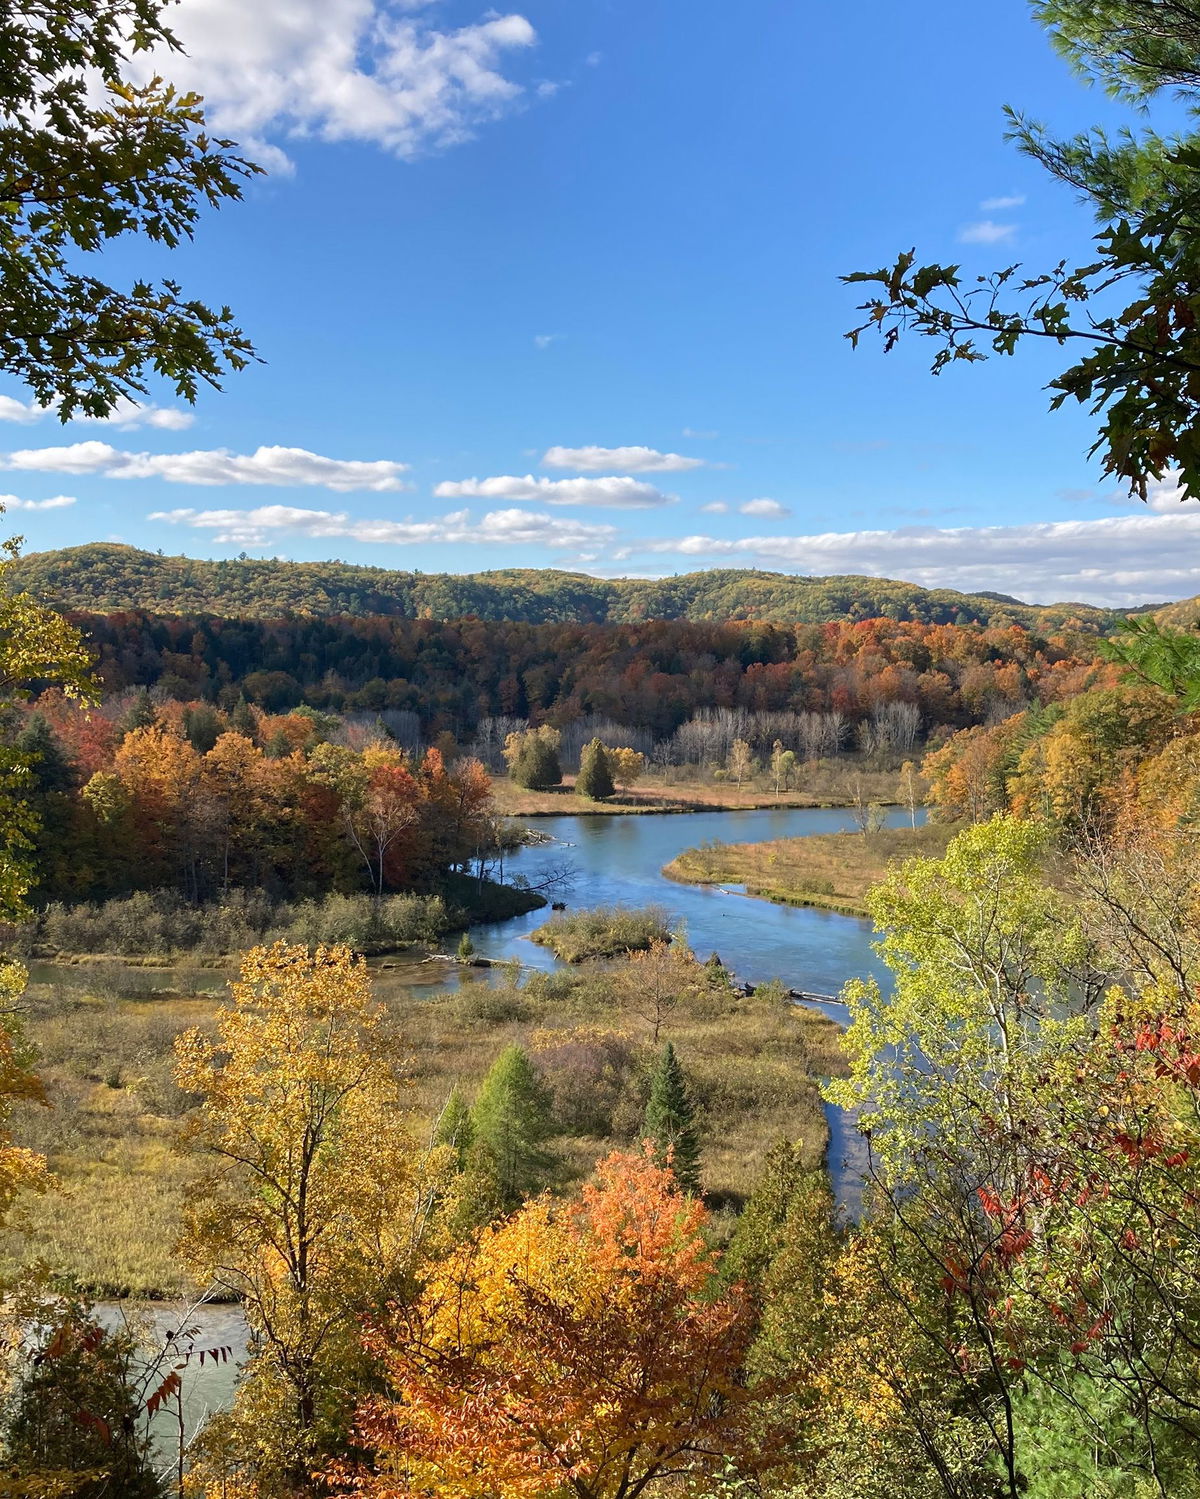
x,y
834,870
753,1065
818,783
603,932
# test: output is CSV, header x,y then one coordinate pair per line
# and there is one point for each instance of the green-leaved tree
x,y
90,157
511,1121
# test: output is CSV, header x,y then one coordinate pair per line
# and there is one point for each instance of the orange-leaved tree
x,y
572,1347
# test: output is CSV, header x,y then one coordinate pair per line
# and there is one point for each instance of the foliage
x,y
669,1129
602,932
90,157
106,576
144,808
626,764
595,778
73,1421
314,1202
1139,368
510,1123
1169,659
570,1347
532,758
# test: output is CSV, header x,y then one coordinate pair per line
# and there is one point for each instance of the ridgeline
x,y
104,577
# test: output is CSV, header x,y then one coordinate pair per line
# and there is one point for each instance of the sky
x,y
559,287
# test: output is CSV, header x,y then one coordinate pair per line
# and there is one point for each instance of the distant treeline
x,y
654,676
103,577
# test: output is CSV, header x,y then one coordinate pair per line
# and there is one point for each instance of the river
x,y
615,860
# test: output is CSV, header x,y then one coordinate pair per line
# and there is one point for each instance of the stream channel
x,y
616,860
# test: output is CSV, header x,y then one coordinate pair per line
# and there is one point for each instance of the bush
x,y
604,932
159,923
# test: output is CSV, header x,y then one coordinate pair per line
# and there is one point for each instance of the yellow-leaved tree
x,y
36,645
314,1208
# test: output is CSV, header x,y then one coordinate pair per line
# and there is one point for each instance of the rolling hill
x,y
104,577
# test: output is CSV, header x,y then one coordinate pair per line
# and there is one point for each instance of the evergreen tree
x,y
202,725
455,1128
595,779
242,720
536,765
511,1122
670,1123
50,768
141,715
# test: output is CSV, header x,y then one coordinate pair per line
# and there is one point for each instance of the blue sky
x,y
612,229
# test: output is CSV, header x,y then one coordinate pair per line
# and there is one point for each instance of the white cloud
x,y
498,527
126,415
986,232
998,205
632,460
612,492
544,340
701,433
767,509
267,465
715,507
1120,560
342,70
59,502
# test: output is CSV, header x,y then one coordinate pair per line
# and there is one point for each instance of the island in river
x,y
833,871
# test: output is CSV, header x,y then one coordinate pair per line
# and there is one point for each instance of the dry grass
x,y
834,870
824,783
754,1065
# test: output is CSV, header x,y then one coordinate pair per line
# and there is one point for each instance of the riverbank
x,y
825,784
830,871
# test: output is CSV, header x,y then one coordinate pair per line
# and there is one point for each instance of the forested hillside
x,y
654,675
104,577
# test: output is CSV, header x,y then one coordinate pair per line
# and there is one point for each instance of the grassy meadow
x,y
821,783
832,870
105,1038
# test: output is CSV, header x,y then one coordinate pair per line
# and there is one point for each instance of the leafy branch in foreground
x,y
1140,366
77,172
1141,369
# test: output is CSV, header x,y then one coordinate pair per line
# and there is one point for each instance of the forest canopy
x,y
105,576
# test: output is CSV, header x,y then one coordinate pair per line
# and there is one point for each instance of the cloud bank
x,y
632,460
126,415
612,492
1119,560
513,527
268,465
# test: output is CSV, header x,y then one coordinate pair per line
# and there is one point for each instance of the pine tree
x,y
595,779
537,766
50,767
511,1121
670,1123
454,1127
242,720
142,714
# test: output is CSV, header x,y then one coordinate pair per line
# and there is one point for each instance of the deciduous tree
x,y
91,157
313,1203
572,1348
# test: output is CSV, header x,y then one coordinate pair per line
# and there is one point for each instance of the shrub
x,y
604,932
